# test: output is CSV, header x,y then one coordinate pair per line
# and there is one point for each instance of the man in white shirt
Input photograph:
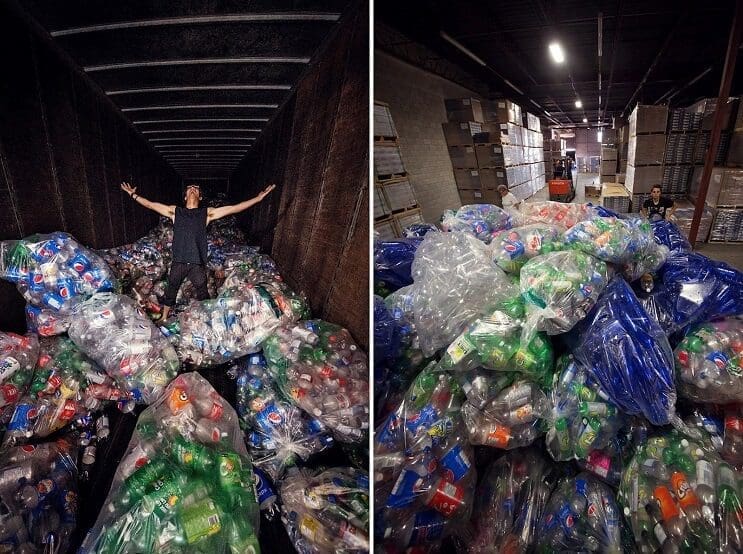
x,y
508,199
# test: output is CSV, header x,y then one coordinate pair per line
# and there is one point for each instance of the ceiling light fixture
x,y
585,120
557,53
578,104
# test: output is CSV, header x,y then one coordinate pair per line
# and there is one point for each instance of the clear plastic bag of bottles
x,y
185,483
628,354
667,234
277,433
582,516
494,341
423,466
221,329
325,512
38,496
65,386
512,248
393,261
610,239
513,418
110,329
560,288
583,417
479,220
290,305
732,443
709,362
454,281
680,497
554,213
18,356
647,260
509,502
318,366
50,271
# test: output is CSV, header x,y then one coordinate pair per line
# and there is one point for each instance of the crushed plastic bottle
x,y
18,356
185,483
709,362
318,366
111,330
482,221
326,511
560,214
277,433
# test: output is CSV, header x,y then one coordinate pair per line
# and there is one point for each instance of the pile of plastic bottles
x,y
495,342
732,445
423,466
480,220
709,362
668,235
277,432
38,492
111,330
680,497
319,367
52,272
628,354
510,501
554,213
18,356
610,239
148,257
512,419
512,248
560,289
419,230
326,511
185,483
582,516
454,281
227,327
583,419
393,260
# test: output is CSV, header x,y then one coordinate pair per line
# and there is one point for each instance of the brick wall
x,y
416,100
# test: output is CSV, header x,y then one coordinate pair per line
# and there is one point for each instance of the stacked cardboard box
x,y
725,187
504,148
684,215
395,204
552,153
615,197
645,148
608,164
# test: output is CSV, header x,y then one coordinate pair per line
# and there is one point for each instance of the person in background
x,y
507,198
189,237
559,170
656,207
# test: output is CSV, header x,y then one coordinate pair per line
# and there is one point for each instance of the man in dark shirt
x,y
655,207
189,237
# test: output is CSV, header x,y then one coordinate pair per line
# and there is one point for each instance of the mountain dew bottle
x,y
192,455
241,537
138,483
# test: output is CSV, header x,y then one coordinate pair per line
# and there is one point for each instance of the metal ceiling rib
x,y
199,80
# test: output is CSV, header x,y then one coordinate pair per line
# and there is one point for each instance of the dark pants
x,y
196,273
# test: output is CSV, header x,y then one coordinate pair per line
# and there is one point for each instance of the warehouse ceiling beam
x,y
198,61
192,88
658,56
235,140
232,130
614,48
200,119
198,107
199,20
736,32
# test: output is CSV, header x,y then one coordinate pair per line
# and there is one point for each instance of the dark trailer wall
x,y
231,95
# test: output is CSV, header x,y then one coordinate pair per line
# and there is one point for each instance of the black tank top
x,y
189,236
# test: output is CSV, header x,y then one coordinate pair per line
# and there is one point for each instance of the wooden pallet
x,y
391,178
383,140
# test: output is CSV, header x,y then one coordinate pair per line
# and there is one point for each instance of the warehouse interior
x,y
229,95
616,55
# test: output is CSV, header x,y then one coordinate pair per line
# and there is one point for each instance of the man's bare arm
x,y
223,211
162,209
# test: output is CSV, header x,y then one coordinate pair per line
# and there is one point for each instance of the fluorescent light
x,y
585,120
556,52
600,135
578,104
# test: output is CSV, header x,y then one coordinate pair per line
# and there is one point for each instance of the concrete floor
x,y
731,253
